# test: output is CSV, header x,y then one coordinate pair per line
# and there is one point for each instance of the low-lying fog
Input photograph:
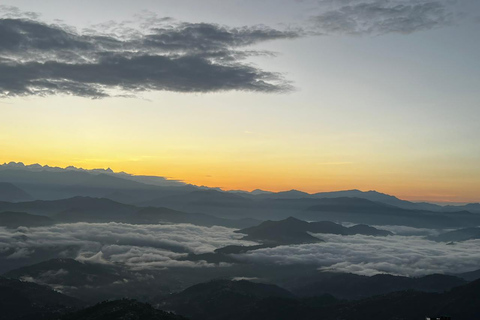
x,y
140,247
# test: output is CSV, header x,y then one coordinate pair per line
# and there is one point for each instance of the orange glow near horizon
x,y
265,178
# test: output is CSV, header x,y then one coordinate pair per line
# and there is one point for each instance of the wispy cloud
x,y
376,17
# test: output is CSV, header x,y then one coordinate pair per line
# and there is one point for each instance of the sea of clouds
x,y
367,255
142,247
136,246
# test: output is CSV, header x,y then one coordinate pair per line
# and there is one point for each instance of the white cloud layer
x,y
365,255
162,246
136,246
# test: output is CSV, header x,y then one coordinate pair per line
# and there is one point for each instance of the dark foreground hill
x,y
220,299
352,286
239,300
121,310
461,303
94,282
30,301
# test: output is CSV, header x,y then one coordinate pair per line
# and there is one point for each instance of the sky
x,y
311,95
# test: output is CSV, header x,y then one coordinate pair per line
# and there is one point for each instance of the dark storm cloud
x,y
184,73
383,16
42,59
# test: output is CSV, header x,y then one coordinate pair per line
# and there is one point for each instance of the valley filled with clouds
x,y
134,246
145,247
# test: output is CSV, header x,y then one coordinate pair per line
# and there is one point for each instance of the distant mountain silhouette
x,y
367,231
365,211
201,198
50,183
471,207
220,299
16,219
224,254
151,180
30,301
87,209
290,194
122,197
344,209
121,310
106,181
164,215
378,197
11,193
459,235
288,231
78,204
295,231
259,191
47,183
368,195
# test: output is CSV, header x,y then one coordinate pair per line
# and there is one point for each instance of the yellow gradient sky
x,y
207,143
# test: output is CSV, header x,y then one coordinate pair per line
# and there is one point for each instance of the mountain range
x,y
88,209
50,183
194,280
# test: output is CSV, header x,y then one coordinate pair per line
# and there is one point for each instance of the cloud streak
x,y
377,17
44,59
